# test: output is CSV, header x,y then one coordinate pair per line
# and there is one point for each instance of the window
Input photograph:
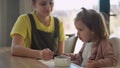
x,y
67,9
115,18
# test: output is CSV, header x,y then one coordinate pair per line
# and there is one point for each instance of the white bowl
x,y
62,60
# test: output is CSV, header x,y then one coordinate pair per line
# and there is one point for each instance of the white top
x,y
86,53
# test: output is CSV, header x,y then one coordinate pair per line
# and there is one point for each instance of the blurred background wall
x,y
9,12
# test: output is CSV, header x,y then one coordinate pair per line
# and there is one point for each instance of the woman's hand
x,y
46,54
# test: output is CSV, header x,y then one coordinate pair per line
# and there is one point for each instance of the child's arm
x,y
108,58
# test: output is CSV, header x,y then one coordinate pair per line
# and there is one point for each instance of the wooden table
x,y
9,61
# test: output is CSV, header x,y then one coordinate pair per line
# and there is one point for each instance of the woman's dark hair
x,y
33,0
94,22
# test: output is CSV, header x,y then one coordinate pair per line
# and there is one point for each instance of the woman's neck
x,y
44,19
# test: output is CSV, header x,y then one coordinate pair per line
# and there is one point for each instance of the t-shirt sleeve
x,y
19,27
62,34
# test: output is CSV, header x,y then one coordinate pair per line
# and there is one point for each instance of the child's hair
x,y
94,21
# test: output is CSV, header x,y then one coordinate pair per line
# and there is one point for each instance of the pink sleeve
x,y
109,58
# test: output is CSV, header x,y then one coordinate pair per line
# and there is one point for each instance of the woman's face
x,y
84,33
43,7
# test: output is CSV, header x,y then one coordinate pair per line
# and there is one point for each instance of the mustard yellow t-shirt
x,y
23,27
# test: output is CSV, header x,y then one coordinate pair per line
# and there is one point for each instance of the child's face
x,y
84,33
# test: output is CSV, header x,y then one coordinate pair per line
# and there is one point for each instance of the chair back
x,y
70,43
116,45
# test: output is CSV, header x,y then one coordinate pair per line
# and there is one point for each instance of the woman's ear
x,y
33,4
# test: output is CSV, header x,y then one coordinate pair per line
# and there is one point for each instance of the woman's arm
x,y
18,49
60,47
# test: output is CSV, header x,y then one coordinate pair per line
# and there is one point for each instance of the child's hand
x,y
46,54
91,64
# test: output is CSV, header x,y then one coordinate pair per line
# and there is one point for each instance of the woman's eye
x,y
51,3
43,4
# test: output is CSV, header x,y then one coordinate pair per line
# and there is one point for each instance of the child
x,y
97,51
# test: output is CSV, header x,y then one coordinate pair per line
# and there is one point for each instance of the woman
x,y
38,34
